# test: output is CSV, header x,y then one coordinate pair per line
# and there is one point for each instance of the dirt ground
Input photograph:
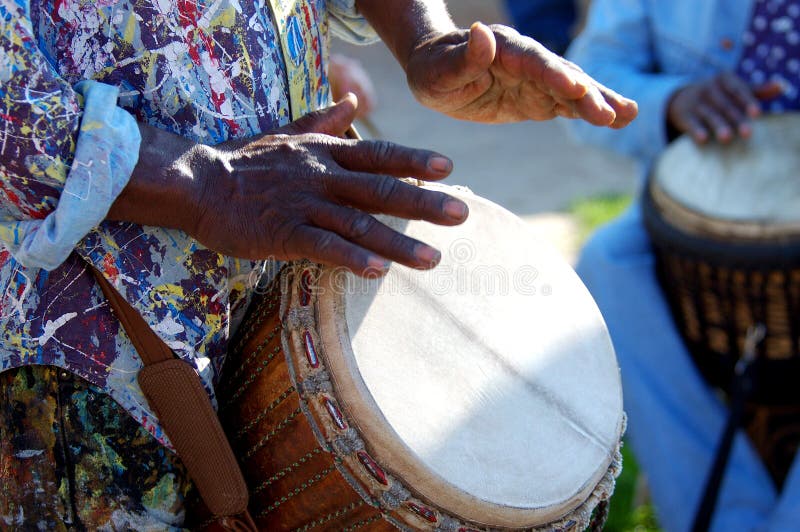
x,y
532,169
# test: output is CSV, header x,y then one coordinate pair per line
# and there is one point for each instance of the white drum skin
x,y
488,385
751,184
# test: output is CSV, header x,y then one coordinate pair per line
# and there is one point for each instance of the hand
x,y
301,192
494,74
347,75
719,108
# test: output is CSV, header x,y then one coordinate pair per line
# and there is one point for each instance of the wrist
x,y
167,184
406,25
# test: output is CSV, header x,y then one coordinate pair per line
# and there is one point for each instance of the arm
x,y
488,74
404,24
298,192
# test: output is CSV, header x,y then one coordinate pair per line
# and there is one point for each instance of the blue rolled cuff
x,y
106,153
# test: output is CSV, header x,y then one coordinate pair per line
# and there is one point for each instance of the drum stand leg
x,y
743,384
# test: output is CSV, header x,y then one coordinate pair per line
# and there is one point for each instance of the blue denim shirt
x,y
646,50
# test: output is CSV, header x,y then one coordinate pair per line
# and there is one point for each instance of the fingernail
x,y
440,164
475,25
349,96
427,254
378,264
455,209
745,130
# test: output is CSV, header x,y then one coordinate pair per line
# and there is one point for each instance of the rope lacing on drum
x,y
265,412
288,469
331,516
271,434
300,489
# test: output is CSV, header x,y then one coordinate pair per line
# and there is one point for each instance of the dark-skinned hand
x,y
304,192
720,108
493,74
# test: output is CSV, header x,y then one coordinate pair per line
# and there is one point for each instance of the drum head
x,y
488,385
748,188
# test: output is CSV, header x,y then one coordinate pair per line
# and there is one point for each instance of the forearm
x,y
402,24
163,187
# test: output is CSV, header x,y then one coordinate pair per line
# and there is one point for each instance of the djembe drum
x,y
481,395
725,223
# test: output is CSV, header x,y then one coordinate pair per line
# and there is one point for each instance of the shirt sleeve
x,y
616,48
65,152
348,24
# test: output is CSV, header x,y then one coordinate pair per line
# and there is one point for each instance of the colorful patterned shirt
x,y
209,70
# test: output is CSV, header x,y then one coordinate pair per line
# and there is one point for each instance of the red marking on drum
x,y
422,511
311,351
372,467
305,288
336,415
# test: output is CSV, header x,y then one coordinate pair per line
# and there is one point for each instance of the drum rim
x,y
335,337
689,234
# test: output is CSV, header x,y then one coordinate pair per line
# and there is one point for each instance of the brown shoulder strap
x,y
150,347
174,391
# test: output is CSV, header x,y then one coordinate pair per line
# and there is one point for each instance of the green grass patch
x,y
593,212
627,513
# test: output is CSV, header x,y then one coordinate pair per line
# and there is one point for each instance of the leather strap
x,y
174,391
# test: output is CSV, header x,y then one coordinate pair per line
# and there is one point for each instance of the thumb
x,y
768,91
470,60
333,120
481,47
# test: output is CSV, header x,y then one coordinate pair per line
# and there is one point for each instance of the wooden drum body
x,y
725,224
482,395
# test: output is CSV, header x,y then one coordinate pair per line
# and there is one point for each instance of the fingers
x,y
527,60
333,120
383,157
720,109
696,128
714,119
592,107
367,232
577,95
625,109
387,195
741,94
326,247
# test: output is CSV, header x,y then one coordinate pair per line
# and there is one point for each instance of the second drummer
x,y
705,70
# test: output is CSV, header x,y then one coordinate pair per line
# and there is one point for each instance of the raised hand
x,y
493,74
720,108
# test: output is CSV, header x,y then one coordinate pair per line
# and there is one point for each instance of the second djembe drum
x,y
725,223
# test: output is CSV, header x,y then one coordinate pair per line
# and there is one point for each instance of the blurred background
x,y
533,169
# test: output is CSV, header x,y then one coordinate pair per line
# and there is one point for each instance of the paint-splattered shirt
x,y
208,70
